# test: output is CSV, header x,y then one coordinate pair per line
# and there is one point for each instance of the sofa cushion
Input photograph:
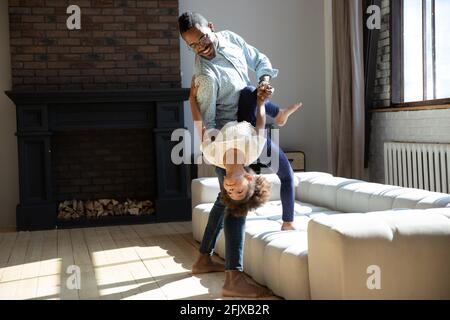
x,y
410,198
255,228
275,185
396,198
364,197
204,190
305,179
444,211
434,200
200,216
285,265
367,197
258,243
301,220
409,248
323,191
275,209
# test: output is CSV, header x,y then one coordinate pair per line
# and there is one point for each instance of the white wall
x,y
9,185
430,126
328,24
291,33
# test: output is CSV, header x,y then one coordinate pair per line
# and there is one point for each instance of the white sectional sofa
x,y
354,240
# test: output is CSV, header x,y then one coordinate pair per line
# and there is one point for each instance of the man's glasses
x,y
202,42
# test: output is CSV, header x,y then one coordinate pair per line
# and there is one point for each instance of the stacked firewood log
x,y
95,209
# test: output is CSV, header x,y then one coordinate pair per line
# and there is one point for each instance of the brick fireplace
x,y
97,144
96,108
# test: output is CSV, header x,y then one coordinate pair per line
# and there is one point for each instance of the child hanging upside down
x,y
239,144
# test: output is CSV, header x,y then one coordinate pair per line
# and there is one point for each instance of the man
x,y
221,72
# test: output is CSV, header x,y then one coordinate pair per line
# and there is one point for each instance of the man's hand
x,y
265,90
287,226
194,90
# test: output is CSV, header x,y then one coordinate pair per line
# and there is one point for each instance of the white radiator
x,y
418,165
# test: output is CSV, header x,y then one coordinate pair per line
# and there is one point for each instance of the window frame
x,y
397,55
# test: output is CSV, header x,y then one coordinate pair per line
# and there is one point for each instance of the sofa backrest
x,y
345,195
205,190
364,197
322,191
348,195
276,184
305,180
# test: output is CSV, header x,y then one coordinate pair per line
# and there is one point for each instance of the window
x,y
420,50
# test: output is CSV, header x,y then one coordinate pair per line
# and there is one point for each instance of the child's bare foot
x,y
236,285
287,226
205,264
284,114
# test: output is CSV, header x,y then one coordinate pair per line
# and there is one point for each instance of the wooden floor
x,y
122,262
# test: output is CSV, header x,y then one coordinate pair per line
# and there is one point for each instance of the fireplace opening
x,y
103,174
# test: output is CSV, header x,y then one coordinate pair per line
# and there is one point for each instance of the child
x,y
239,144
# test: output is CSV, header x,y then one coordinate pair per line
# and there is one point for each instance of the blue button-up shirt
x,y
221,79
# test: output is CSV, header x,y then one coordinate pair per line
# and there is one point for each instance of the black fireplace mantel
x,y
41,114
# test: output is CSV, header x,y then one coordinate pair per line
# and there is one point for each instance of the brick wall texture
x,y
428,126
122,44
382,88
98,164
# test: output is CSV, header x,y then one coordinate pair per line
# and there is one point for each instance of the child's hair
x,y
257,195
